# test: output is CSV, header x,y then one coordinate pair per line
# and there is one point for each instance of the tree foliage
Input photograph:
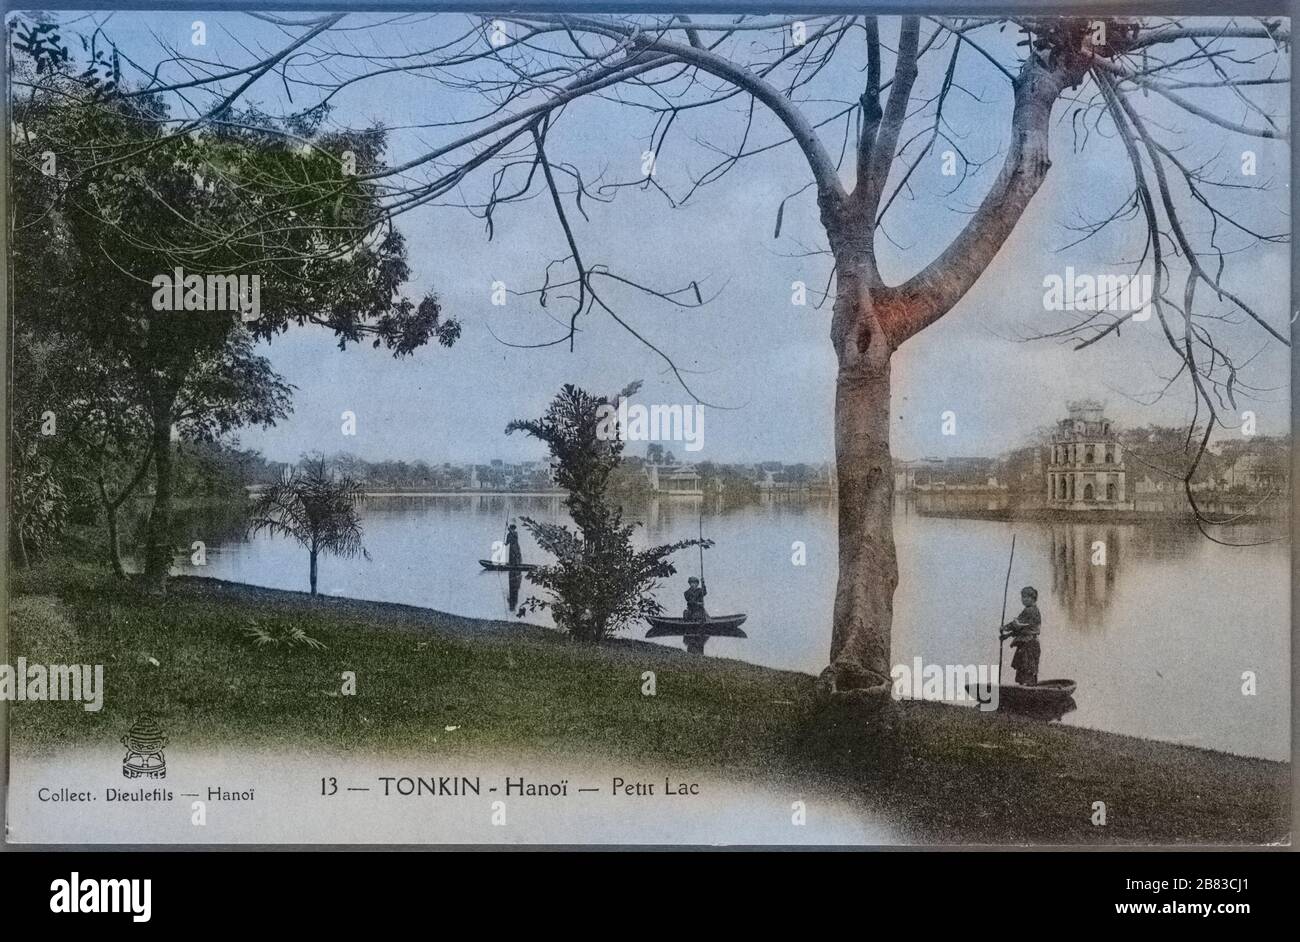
x,y
600,582
110,193
318,507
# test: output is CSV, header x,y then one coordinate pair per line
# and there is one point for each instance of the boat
x,y
717,626
1044,696
506,567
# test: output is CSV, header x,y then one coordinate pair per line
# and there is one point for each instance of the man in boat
x,y
1023,633
512,546
695,600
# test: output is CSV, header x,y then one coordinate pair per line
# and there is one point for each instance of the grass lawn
x,y
944,773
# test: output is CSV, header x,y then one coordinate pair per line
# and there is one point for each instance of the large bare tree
x,y
881,93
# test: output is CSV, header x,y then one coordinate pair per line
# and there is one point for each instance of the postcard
x,y
568,427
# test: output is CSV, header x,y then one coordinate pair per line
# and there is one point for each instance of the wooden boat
x,y
506,567
1044,696
718,626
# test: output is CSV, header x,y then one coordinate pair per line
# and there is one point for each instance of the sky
x,y
764,365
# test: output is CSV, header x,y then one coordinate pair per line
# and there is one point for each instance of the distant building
x,y
674,480
1086,470
919,474
947,474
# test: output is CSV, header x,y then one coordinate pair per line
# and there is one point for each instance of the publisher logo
x,y
144,743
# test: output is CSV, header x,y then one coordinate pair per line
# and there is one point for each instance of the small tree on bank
x,y
317,507
599,583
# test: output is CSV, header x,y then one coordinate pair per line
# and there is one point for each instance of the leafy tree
x,y
220,470
316,506
599,583
1163,451
38,504
129,197
734,487
629,481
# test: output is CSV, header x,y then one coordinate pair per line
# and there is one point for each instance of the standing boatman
x,y
1023,633
512,546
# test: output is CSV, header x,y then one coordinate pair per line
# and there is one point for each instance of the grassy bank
x,y
945,774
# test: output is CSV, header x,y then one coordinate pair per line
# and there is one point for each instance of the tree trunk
x,y
158,551
20,545
114,545
868,567
865,309
313,571
111,504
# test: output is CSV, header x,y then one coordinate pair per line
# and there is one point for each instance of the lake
x,y
1159,637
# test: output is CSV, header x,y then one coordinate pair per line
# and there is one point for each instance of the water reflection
x,y
1086,562
515,582
1089,559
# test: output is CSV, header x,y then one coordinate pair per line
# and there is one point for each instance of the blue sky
x,y
766,363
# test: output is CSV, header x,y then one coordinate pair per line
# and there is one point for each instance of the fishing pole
x,y
1005,587
701,544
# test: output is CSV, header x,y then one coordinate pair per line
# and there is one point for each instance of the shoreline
x,y
941,773
1043,515
385,614
472,627
999,514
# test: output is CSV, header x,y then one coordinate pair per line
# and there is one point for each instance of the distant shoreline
x,y
1044,515
556,493
1000,514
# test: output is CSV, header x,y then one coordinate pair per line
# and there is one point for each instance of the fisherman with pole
x,y
1023,631
695,593
697,590
516,557
696,626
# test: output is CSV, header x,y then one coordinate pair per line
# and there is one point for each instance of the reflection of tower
x,y
1085,566
1085,469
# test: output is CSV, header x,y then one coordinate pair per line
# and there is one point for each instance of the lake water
x,y
1158,638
